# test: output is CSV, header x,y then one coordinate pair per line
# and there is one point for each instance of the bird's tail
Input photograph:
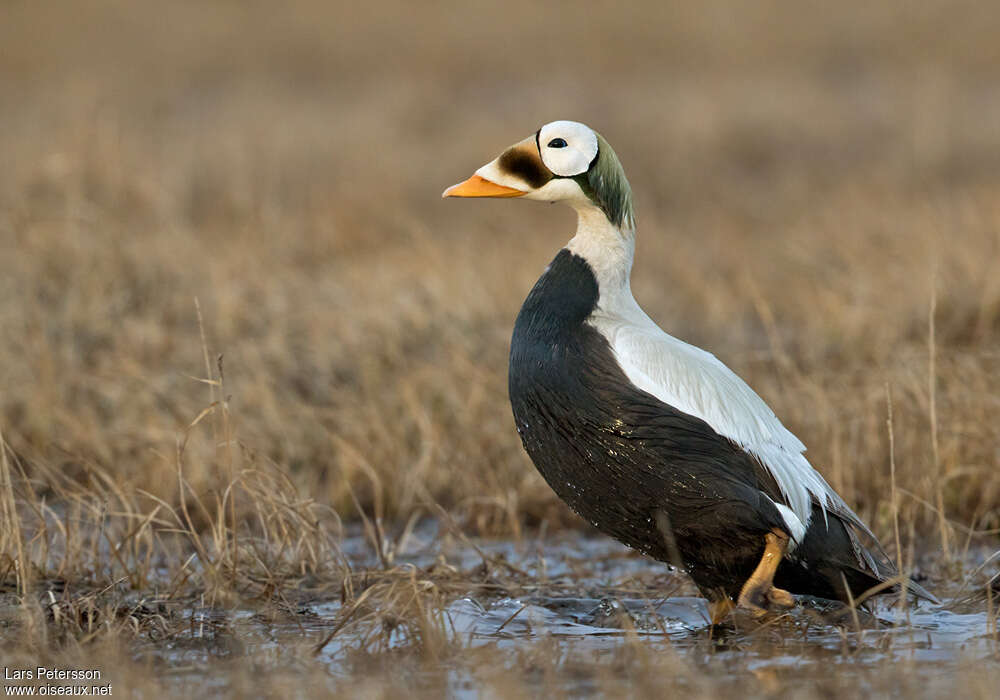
x,y
881,571
918,591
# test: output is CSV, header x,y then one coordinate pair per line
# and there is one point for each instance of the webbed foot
x,y
759,594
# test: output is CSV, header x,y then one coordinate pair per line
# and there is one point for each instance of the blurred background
x,y
818,196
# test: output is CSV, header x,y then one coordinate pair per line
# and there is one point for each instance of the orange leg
x,y
758,592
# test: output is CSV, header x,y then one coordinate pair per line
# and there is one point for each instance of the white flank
x,y
796,528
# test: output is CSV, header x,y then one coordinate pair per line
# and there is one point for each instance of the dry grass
x,y
233,307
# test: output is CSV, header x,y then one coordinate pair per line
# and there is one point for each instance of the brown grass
x,y
233,308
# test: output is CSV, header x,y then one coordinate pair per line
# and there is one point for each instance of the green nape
x,y
606,185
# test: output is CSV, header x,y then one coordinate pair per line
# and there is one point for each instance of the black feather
x,y
657,479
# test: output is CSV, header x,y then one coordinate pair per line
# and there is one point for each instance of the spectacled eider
x,y
654,441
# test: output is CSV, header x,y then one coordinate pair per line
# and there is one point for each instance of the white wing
x,y
695,382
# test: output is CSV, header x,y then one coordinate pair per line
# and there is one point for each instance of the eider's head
x,y
562,162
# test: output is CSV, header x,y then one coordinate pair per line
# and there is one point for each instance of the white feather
x,y
576,155
693,380
796,528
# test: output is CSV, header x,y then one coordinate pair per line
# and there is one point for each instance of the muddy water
x,y
588,598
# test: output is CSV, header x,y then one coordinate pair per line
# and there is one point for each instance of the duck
x,y
652,440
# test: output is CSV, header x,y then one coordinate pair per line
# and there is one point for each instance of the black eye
x,y
557,143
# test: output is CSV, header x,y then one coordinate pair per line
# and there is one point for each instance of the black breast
x,y
659,480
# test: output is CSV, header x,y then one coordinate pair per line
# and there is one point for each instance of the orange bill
x,y
477,186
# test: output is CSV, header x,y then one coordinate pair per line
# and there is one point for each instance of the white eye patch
x,y
567,148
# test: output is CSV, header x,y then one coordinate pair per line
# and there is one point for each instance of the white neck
x,y
608,249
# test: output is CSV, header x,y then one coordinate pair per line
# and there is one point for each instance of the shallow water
x,y
588,599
